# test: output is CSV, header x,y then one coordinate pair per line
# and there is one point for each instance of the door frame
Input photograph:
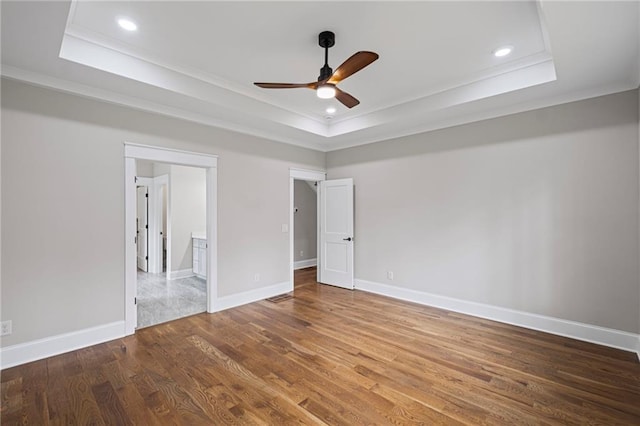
x,y
308,175
132,152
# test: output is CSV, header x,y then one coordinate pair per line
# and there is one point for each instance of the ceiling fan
x,y
325,87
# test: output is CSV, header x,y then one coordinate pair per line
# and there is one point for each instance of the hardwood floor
x,y
328,356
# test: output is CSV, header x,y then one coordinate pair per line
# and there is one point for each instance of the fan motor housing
x,y
325,73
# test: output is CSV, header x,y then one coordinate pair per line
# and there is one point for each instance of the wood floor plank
x,y
110,407
328,356
264,400
82,402
59,410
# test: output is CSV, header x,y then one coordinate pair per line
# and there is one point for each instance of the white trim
x,y
171,156
179,274
307,263
212,238
233,300
308,175
130,250
303,174
168,155
575,330
22,353
638,348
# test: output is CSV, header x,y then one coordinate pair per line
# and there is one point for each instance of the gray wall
x,y
536,211
305,221
188,198
144,168
64,266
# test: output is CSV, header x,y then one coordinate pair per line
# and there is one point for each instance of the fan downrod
x,y
326,39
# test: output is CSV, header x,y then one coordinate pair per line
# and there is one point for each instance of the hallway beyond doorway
x,y
161,300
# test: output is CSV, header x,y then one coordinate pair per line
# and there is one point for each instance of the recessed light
x,y
127,24
502,51
330,110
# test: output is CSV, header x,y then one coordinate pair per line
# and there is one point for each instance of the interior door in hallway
x,y
336,233
142,229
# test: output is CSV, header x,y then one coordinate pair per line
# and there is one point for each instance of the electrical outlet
x,y
390,275
285,227
301,253
6,328
256,278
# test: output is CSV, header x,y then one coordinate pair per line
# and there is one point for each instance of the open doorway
x,y
178,258
170,236
305,227
303,221
335,228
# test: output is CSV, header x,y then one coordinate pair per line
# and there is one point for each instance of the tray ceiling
x,y
198,60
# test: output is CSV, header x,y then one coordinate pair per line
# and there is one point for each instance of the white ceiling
x,y
198,60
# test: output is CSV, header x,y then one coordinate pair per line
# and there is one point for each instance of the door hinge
x,y
135,300
146,258
135,240
146,195
146,227
135,178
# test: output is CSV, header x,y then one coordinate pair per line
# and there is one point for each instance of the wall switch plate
x,y
390,275
285,227
5,329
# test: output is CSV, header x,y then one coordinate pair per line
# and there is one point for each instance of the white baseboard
x,y
22,353
182,273
307,263
231,301
576,330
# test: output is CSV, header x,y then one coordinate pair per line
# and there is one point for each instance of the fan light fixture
x,y
326,91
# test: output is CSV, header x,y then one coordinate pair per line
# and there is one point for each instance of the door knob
x,y
346,239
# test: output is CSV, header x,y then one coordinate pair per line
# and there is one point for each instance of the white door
x,y
336,232
142,227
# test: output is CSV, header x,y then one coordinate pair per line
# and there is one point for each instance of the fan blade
x,y
286,85
352,65
346,99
